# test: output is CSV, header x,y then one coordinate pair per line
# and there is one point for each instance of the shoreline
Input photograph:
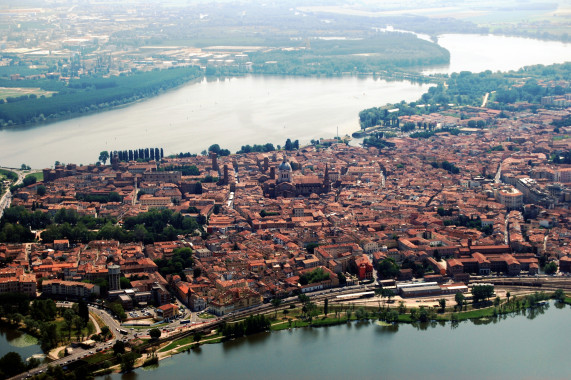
x,y
383,74
77,115
487,313
291,317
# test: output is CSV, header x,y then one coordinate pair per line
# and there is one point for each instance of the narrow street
x,y
498,174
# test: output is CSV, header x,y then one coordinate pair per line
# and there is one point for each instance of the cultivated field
x,y
14,92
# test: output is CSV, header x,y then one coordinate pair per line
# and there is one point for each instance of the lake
x,y
254,109
231,112
24,344
529,346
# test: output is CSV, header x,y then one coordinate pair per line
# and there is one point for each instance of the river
x,y
254,109
230,112
477,53
529,346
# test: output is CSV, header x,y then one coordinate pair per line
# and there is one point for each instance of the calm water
x,y
477,53
16,341
231,112
249,110
517,347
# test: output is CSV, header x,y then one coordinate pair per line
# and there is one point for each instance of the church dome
x,y
284,166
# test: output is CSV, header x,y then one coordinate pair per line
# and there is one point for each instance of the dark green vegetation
x,y
303,43
155,333
28,180
147,227
6,175
388,268
468,89
142,154
464,221
103,198
550,268
12,364
99,363
190,170
180,260
482,292
215,148
335,57
41,318
316,275
118,310
451,168
251,325
562,159
268,147
483,308
9,174
565,122
88,94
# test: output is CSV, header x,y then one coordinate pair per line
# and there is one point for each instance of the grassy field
x,y
6,174
62,331
185,343
14,92
39,176
148,327
177,343
98,319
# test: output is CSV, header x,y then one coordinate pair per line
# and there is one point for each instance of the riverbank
x,y
370,349
100,106
91,94
294,318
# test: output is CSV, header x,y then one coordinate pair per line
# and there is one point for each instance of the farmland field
x,y
14,92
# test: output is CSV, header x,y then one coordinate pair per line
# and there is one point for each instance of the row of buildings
x,y
273,219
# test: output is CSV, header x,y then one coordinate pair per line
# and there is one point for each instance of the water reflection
x,y
387,329
362,323
257,339
129,376
9,334
14,340
346,349
538,310
421,325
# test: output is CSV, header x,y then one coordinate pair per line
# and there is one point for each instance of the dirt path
x,y
95,324
485,101
54,354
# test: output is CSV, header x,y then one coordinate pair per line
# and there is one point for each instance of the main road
x,y
79,353
175,330
6,199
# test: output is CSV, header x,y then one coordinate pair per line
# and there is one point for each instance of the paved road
x,y
175,328
6,199
79,352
